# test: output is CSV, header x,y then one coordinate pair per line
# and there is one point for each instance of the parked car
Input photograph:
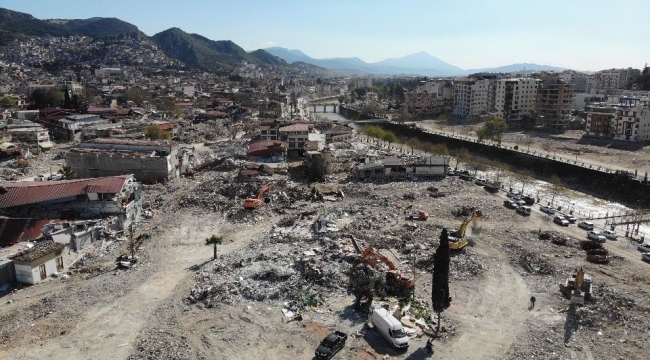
x,y
332,344
512,194
520,202
643,248
524,210
529,200
645,256
390,328
510,204
547,209
587,225
570,218
560,220
596,236
612,235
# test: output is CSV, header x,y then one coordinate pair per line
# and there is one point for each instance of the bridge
x,y
324,107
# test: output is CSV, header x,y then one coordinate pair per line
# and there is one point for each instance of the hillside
x,y
17,25
98,27
198,51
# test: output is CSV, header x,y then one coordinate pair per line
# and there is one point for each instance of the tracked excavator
x,y
396,282
578,287
457,239
259,200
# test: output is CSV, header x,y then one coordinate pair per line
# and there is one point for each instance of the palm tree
x,y
214,240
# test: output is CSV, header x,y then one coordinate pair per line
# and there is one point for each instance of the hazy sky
x,y
578,34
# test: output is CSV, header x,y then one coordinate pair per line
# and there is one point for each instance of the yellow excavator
x,y
577,287
457,239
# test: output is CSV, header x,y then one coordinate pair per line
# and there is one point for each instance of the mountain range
x,y
420,63
191,49
198,51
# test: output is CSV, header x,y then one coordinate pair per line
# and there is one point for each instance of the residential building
x,y
472,97
555,99
37,263
582,100
295,135
424,103
30,133
627,122
119,197
599,120
392,167
515,98
148,160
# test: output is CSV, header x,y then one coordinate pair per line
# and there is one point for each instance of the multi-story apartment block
x,y
627,120
599,120
607,81
425,103
626,124
472,97
515,98
555,99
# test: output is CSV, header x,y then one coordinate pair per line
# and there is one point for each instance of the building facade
x,y
555,99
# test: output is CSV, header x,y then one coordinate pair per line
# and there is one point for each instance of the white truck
x,y
389,327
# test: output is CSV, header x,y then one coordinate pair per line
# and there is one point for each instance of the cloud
x,y
270,43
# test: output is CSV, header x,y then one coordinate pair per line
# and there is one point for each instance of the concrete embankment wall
x,y
610,186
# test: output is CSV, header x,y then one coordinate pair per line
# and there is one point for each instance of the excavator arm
x,y
372,257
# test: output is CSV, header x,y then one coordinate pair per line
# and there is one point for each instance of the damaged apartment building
x,y
148,160
116,198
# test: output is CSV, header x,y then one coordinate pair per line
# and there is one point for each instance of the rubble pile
x,y
289,264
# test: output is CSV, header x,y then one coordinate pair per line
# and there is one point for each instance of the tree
x,y
557,187
493,129
527,141
403,115
293,101
547,146
46,98
462,156
366,282
67,172
156,132
214,240
7,102
525,177
440,299
136,95
500,169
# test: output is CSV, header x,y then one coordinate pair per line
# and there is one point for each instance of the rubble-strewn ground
x,y
178,303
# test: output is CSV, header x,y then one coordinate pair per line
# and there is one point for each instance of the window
x,y
41,269
59,263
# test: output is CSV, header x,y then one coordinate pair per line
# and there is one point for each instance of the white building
x,y
627,123
472,97
37,263
515,98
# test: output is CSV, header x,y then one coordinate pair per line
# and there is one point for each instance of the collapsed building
x,y
148,160
118,197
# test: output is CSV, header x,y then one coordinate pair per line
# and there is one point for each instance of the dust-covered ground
x,y
179,303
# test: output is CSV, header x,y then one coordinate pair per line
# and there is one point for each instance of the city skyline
x,y
581,35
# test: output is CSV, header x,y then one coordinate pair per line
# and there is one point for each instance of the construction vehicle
x,y
259,200
395,280
577,287
457,239
418,215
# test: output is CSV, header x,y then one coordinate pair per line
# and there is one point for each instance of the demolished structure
x,y
148,160
118,196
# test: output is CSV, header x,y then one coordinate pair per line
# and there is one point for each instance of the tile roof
x,y
30,192
295,127
38,251
265,146
15,230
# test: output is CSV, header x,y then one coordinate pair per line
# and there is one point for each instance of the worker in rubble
x,y
532,301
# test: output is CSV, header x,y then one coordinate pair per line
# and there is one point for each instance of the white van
x,y
389,327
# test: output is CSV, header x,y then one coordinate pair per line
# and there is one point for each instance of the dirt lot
x,y
178,303
570,145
